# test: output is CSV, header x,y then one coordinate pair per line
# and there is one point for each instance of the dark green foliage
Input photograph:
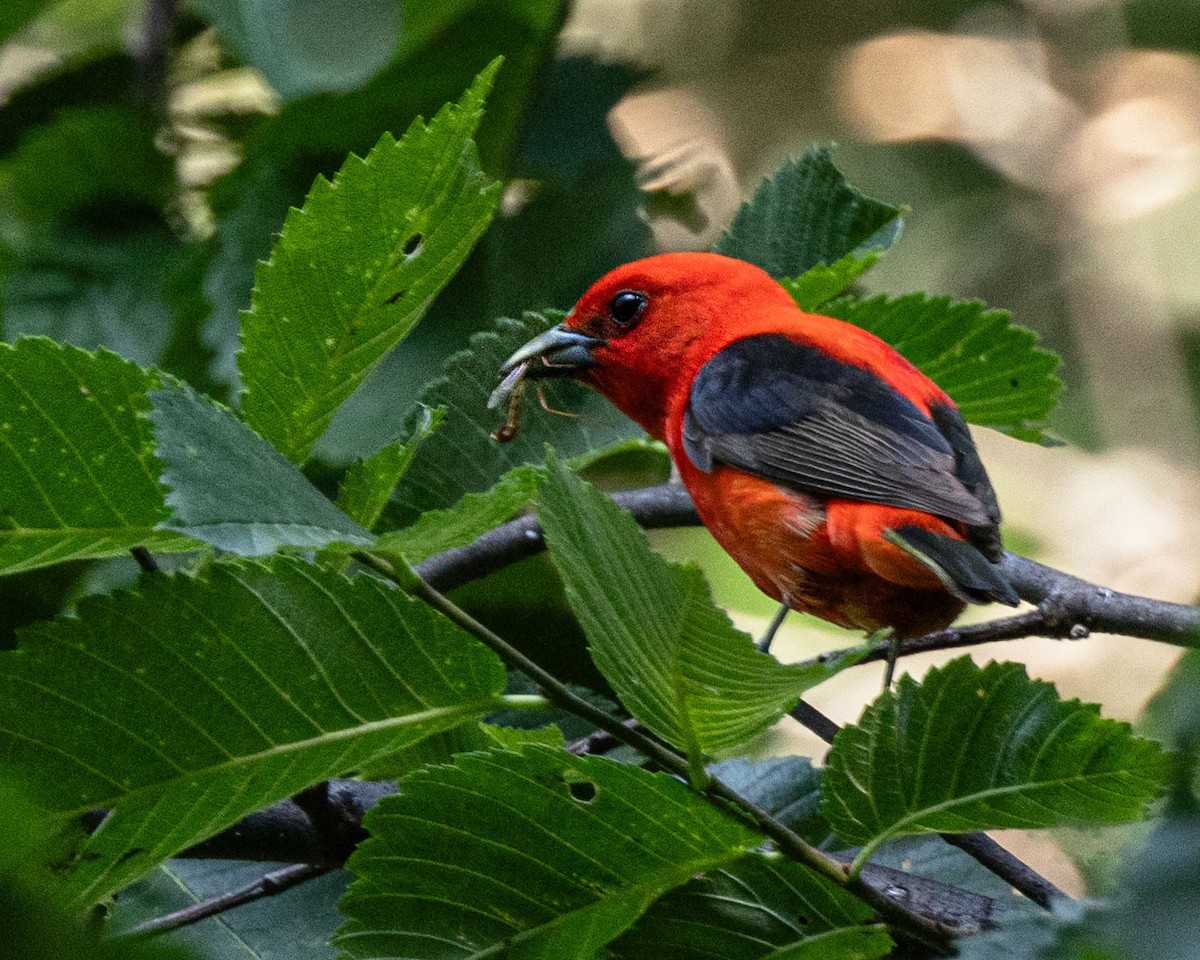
x,y
805,215
293,674
563,853
189,700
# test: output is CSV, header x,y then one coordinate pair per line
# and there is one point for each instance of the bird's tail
x,y
964,571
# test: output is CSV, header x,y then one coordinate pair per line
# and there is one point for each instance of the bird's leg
x,y
893,654
765,643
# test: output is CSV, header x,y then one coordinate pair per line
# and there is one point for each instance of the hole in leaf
x,y
584,791
412,246
395,296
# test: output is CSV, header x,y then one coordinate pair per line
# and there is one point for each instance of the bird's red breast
x,y
833,471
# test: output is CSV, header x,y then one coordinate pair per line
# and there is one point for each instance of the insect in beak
x,y
558,352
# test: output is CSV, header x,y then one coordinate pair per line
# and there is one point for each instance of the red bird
x,y
837,475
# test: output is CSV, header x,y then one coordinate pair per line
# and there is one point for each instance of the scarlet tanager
x,y
838,476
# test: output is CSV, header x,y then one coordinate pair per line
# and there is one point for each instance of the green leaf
x,y
463,458
514,738
304,48
355,269
822,283
788,788
761,907
294,926
74,285
972,748
538,855
369,483
78,476
37,925
90,249
78,31
1025,936
806,214
671,655
992,368
1158,918
474,514
212,696
16,13
1172,714
231,488
60,167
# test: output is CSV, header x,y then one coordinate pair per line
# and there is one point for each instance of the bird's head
x,y
641,332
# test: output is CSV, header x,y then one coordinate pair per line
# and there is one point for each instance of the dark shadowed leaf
x,y
229,487
760,908
212,696
788,788
536,854
368,484
463,458
806,214
294,925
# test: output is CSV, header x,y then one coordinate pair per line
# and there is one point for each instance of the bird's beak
x,y
563,352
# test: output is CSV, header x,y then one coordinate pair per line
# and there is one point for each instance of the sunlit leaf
x,y
356,268
672,656
972,748
822,283
78,475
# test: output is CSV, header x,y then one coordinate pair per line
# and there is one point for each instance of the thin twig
x,y
269,885
982,848
788,841
144,559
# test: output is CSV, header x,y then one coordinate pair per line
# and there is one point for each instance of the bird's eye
x,y
627,307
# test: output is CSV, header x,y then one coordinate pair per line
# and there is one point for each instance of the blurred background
x,y
1049,151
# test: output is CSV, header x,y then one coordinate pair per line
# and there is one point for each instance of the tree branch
x,y
667,505
1068,607
268,885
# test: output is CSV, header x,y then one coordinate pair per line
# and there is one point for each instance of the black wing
x,y
792,414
